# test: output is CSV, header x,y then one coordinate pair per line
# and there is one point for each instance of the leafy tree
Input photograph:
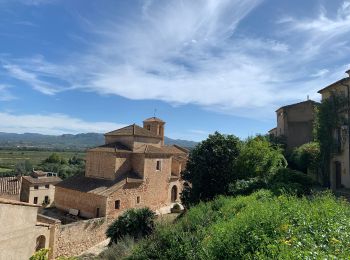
x,y
136,223
259,158
306,157
53,158
211,168
20,168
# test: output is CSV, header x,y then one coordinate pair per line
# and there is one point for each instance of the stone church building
x,y
133,169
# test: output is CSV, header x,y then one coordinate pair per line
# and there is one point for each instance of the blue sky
x,y
93,66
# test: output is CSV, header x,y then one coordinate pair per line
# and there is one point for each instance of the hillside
x,y
66,141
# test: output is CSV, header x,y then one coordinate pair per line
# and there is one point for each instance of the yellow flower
x,y
284,227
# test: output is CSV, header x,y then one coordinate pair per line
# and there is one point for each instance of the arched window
x,y
174,193
40,242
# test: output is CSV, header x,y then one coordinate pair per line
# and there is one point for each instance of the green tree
x,y
259,158
53,158
135,223
210,168
306,157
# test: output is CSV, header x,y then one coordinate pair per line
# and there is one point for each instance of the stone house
x,y
39,188
20,233
339,165
133,169
295,123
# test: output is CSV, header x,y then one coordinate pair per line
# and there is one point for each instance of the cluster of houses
x,y
133,169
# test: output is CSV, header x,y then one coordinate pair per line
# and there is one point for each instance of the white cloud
x,y
51,124
185,52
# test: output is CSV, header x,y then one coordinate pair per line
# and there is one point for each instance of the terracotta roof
x,y
98,186
299,103
112,147
43,180
134,130
15,202
154,119
10,185
168,150
334,84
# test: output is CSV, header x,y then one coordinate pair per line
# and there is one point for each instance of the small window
x,y
138,199
117,204
149,127
36,187
47,186
159,166
46,200
35,200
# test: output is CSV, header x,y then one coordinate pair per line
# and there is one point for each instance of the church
x,y
133,169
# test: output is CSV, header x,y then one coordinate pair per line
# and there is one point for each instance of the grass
x,y
9,158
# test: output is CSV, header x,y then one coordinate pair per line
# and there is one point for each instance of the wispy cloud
x,y
189,52
51,124
5,94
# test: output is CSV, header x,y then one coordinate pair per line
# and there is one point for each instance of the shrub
x,y
118,251
291,182
135,223
306,157
40,255
259,226
246,187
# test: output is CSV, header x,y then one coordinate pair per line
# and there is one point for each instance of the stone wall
x,y
86,202
100,165
73,239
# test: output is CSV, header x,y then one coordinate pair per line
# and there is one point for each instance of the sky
x,y
77,66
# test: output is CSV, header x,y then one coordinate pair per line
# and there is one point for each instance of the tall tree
x,y
211,168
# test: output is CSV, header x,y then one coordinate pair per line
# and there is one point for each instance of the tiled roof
x,y
112,147
97,186
43,180
168,150
154,119
333,84
10,185
15,202
133,130
299,103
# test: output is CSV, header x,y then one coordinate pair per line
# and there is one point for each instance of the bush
x,y
291,182
306,157
246,187
259,226
135,223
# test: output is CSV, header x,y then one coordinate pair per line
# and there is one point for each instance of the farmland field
x,y
9,158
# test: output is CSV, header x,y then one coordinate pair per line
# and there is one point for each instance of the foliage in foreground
x,y
136,223
306,157
259,226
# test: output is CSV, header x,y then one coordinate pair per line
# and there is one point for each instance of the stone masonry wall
x,y
75,238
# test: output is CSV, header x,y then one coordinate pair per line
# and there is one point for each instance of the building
x,y
339,163
20,233
39,188
132,169
295,123
10,187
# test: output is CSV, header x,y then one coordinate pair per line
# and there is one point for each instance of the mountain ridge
x,y
79,141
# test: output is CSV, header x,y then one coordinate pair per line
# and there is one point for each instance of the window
x,y
46,200
148,128
47,186
117,204
138,199
36,187
159,166
35,200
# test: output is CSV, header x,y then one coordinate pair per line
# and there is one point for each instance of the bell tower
x,y
156,126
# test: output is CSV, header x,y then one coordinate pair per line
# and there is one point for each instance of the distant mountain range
x,y
66,141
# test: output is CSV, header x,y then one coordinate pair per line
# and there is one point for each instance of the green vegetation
x,y
211,168
259,226
329,119
306,157
136,223
14,162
